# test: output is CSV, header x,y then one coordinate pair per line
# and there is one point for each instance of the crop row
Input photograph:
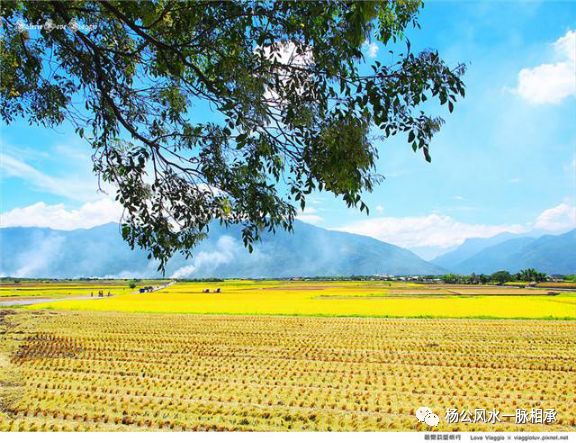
x,y
104,371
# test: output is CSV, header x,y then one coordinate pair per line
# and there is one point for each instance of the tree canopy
x,y
501,277
293,112
530,275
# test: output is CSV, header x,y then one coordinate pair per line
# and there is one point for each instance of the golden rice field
x,y
81,370
281,355
62,289
362,299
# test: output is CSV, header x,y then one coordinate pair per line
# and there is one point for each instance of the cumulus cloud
x,y
310,215
434,230
558,218
370,48
551,83
566,46
58,216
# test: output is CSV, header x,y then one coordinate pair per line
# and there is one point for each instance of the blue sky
x,y
504,161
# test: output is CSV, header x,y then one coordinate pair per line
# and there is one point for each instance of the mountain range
x,y
309,251
101,252
553,254
469,248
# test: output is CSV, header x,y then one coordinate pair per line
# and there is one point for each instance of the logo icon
x,y
424,414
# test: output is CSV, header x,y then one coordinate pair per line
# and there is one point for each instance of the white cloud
x,y
435,233
558,218
370,48
566,46
58,217
78,156
428,234
551,82
74,188
311,218
434,230
379,209
310,215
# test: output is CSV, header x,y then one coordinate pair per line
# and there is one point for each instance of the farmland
x,y
64,289
112,371
333,356
374,299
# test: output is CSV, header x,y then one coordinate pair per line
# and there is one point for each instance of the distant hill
x,y
101,252
469,248
553,254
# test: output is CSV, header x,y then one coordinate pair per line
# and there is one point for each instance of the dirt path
x,y
19,301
